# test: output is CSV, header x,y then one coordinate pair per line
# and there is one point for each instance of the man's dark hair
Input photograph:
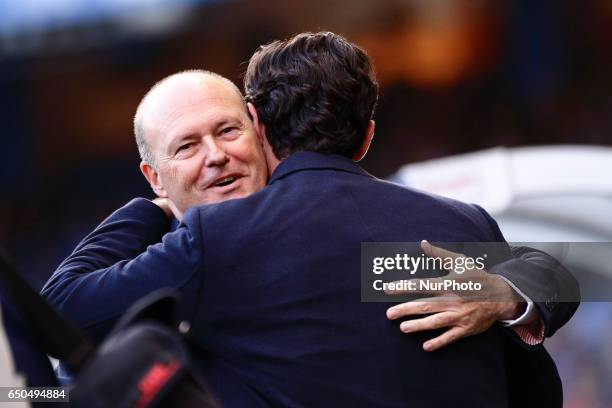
x,y
314,92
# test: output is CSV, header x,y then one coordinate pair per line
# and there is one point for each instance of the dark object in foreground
x,y
144,362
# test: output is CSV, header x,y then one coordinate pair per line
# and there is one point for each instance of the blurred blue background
x,y
456,76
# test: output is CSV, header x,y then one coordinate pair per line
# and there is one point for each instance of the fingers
x,y
164,204
437,252
420,288
464,320
419,306
435,321
446,338
436,287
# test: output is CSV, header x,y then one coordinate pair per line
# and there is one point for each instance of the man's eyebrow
x,y
227,121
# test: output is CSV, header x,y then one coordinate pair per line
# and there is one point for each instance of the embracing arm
x,y
507,293
540,277
123,259
534,281
543,282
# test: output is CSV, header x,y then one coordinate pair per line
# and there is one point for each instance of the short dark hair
x,y
314,92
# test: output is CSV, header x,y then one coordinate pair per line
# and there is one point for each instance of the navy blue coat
x,y
271,286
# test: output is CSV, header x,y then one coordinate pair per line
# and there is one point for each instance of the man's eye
x,y
184,147
229,129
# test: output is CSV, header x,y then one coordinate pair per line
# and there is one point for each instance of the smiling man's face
x,y
203,143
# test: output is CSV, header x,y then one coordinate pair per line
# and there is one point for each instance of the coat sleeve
x,y
122,260
543,279
546,281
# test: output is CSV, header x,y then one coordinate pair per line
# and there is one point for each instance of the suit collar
x,y
313,161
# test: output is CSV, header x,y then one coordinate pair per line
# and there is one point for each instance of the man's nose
x,y
215,154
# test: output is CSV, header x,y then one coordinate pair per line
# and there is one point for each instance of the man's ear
x,y
366,142
153,178
259,127
271,160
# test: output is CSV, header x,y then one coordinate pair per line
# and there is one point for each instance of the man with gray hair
x,y
270,278
168,126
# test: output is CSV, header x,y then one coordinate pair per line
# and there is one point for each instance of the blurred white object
x,y
548,193
550,196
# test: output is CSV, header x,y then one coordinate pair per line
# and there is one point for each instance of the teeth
x,y
225,181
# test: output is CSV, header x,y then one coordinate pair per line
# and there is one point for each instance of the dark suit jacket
x,y
272,290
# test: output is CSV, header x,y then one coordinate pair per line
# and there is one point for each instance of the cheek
x,y
184,173
249,153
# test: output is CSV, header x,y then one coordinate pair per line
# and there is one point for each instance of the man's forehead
x,y
189,92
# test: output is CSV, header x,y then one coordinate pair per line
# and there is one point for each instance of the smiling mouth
x,y
225,181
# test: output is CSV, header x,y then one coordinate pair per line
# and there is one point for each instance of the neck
x,y
273,163
271,159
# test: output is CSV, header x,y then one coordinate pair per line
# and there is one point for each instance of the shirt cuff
x,y
529,326
530,313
